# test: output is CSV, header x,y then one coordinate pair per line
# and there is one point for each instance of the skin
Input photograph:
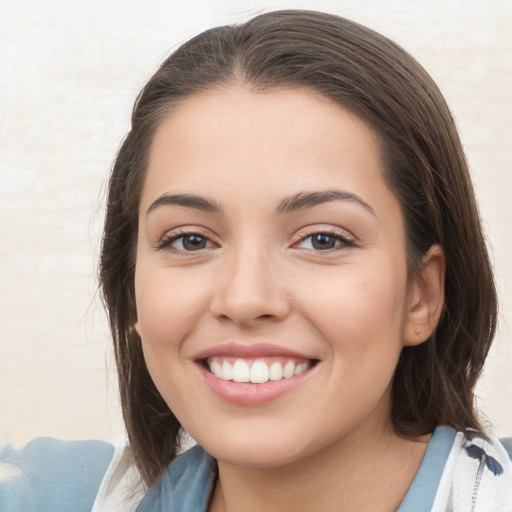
x,y
328,444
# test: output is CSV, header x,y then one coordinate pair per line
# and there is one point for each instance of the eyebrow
x,y
304,200
299,201
187,200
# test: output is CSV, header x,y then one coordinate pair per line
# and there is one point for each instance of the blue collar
x,y
422,492
186,485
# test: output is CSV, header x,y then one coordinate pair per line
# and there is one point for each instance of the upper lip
x,y
243,350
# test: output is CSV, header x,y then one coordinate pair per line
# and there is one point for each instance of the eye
x,y
324,242
186,242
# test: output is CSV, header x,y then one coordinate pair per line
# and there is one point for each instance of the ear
x,y
426,297
136,327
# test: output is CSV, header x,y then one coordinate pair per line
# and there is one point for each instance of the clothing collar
x,y
189,481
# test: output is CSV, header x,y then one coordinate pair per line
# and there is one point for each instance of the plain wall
x,y
69,72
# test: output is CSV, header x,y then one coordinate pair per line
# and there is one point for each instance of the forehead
x,y
243,144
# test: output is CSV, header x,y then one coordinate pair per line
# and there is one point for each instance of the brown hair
x,y
425,167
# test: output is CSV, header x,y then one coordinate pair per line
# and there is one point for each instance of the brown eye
x,y
193,242
324,242
187,242
321,242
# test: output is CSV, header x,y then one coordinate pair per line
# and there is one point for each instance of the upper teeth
x,y
258,373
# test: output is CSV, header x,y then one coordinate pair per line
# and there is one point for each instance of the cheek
x,y
169,308
363,326
168,303
363,321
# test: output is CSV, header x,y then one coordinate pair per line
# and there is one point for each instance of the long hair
x,y
424,165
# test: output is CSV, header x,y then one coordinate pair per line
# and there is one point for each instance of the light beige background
x,y
69,72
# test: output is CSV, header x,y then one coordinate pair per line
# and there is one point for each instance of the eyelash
x,y
168,240
345,242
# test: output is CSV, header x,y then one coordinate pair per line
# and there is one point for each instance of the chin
x,y
252,458
263,452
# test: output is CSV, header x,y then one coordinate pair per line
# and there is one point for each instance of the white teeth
x,y
227,371
216,369
289,370
302,367
258,373
241,372
276,371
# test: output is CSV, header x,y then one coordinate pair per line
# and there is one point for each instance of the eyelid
x,y
165,241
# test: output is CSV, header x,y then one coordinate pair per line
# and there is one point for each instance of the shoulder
x,y
187,484
122,487
487,452
478,473
48,474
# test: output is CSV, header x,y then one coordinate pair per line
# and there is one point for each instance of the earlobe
x,y
426,298
136,327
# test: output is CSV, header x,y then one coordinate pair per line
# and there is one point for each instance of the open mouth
x,y
256,370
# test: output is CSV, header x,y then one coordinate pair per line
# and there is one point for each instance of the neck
x,y
362,471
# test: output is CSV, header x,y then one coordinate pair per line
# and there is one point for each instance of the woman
x,y
295,274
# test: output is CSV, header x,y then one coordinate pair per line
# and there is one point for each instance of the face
x,y
271,279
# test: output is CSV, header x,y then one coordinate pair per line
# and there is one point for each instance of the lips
x,y
252,374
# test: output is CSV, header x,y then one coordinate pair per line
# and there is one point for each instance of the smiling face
x,y
270,250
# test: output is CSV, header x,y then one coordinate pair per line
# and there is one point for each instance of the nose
x,y
250,289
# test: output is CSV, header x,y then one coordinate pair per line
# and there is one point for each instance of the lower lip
x,y
248,394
